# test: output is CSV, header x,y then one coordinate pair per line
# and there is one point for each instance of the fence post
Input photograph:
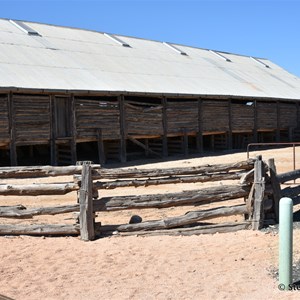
x,y
259,189
275,186
86,216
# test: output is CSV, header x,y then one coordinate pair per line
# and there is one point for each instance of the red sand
x,y
219,266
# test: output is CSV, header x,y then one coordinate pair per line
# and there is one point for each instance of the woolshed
x,y
69,94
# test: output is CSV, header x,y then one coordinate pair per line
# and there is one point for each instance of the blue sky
x,y
266,28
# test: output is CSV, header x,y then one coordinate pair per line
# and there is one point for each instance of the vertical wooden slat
x,y
275,186
259,186
165,127
86,215
278,122
123,155
53,132
229,142
200,127
73,130
255,137
298,115
12,130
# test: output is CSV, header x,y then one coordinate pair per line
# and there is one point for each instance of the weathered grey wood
x,y
38,189
199,138
41,229
259,182
12,130
194,197
230,121
278,122
20,211
143,146
202,229
146,173
288,176
40,171
247,177
86,217
73,129
123,133
165,127
189,218
276,187
53,154
168,180
255,123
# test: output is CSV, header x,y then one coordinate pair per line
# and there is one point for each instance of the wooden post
x,y
200,128
101,153
278,122
165,127
12,130
123,156
275,186
73,130
53,132
255,137
298,114
86,216
229,143
259,189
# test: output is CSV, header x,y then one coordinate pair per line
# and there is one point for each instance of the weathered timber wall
x,y
100,113
287,115
215,115
242,116
4,121
266,115
143,119
31,116
182,116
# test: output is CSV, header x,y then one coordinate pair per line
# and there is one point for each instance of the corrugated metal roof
x,y
63,58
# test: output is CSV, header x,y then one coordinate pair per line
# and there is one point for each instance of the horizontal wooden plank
x,y
194,197
196,230
42,229
187,219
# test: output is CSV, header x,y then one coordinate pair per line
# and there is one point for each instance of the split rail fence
x,y
256,182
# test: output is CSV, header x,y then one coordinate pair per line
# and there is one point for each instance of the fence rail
x,y
256,182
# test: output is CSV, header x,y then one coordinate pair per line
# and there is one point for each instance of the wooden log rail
x,y
288,176
196,230
86,206
169,180
146,177
41,171
148,173
86,227
38,189
194,197
189,218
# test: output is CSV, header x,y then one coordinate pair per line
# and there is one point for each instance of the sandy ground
x,y
220,266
